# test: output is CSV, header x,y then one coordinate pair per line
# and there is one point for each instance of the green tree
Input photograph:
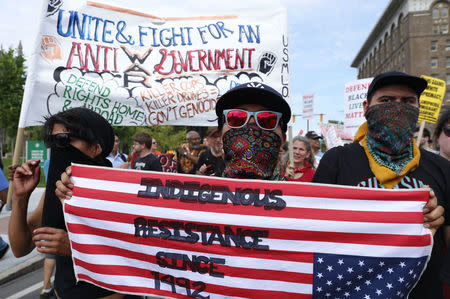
x,y
168,137
12,80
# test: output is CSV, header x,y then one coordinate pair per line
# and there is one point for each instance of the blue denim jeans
x,y
3,244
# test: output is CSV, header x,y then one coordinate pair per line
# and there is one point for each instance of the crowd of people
x,y
249,142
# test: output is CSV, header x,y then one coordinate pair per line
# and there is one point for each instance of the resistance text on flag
x,y
137,69
193,236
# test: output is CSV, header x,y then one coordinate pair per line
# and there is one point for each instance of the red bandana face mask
x,y
250,152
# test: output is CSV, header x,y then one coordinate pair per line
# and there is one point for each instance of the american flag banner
x,y
181,236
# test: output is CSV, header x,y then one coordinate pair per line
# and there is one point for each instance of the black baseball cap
x,y
396,78
312,135
254,93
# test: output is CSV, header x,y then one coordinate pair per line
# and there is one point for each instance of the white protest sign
x,y
137,69
354,96
332,134
308,106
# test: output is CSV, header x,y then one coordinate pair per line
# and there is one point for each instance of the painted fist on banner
x,y
266,63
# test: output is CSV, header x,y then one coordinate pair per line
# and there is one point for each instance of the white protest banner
x,y
354,96
181,236
134,68
308,106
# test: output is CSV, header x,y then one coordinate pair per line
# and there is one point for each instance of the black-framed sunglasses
x,y
60,140
266,120
446,131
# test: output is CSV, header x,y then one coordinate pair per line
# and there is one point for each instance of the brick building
x,y
411,36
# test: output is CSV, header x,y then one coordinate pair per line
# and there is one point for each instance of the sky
x,y
324,38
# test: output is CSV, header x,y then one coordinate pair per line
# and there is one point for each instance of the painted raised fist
x,y
266,62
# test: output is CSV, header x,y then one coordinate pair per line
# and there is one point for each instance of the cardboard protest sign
x,y
134,68
431,99
354,96
184,236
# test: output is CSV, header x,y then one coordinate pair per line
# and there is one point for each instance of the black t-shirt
x,y
216,164
349,165
53,216
149,162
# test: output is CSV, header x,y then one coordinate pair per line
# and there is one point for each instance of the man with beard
x,y
142,145
189,153
76,135
384,155
211,161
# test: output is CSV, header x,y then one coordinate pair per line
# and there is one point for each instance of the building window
x,y
436,29
447,45
444,28
433,46
444,12
447,62
436,13
447,79
433,63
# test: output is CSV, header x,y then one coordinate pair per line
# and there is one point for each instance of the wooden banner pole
x,y
291,148
15,161
419,137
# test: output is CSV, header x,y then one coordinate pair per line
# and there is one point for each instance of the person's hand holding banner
x,y
64,186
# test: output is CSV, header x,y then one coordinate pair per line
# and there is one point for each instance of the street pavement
x,y
10,266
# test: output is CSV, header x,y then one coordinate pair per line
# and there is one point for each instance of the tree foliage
x,y
168,137
12,81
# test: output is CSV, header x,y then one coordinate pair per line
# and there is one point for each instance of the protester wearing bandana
x,y
253,120
384,155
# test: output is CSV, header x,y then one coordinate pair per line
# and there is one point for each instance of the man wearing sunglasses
x,y
252,118
384,155
76,135
442,134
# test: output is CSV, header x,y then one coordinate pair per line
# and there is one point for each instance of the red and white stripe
x,y
317,218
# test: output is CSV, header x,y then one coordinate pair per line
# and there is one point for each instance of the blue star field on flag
x,y
346,276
